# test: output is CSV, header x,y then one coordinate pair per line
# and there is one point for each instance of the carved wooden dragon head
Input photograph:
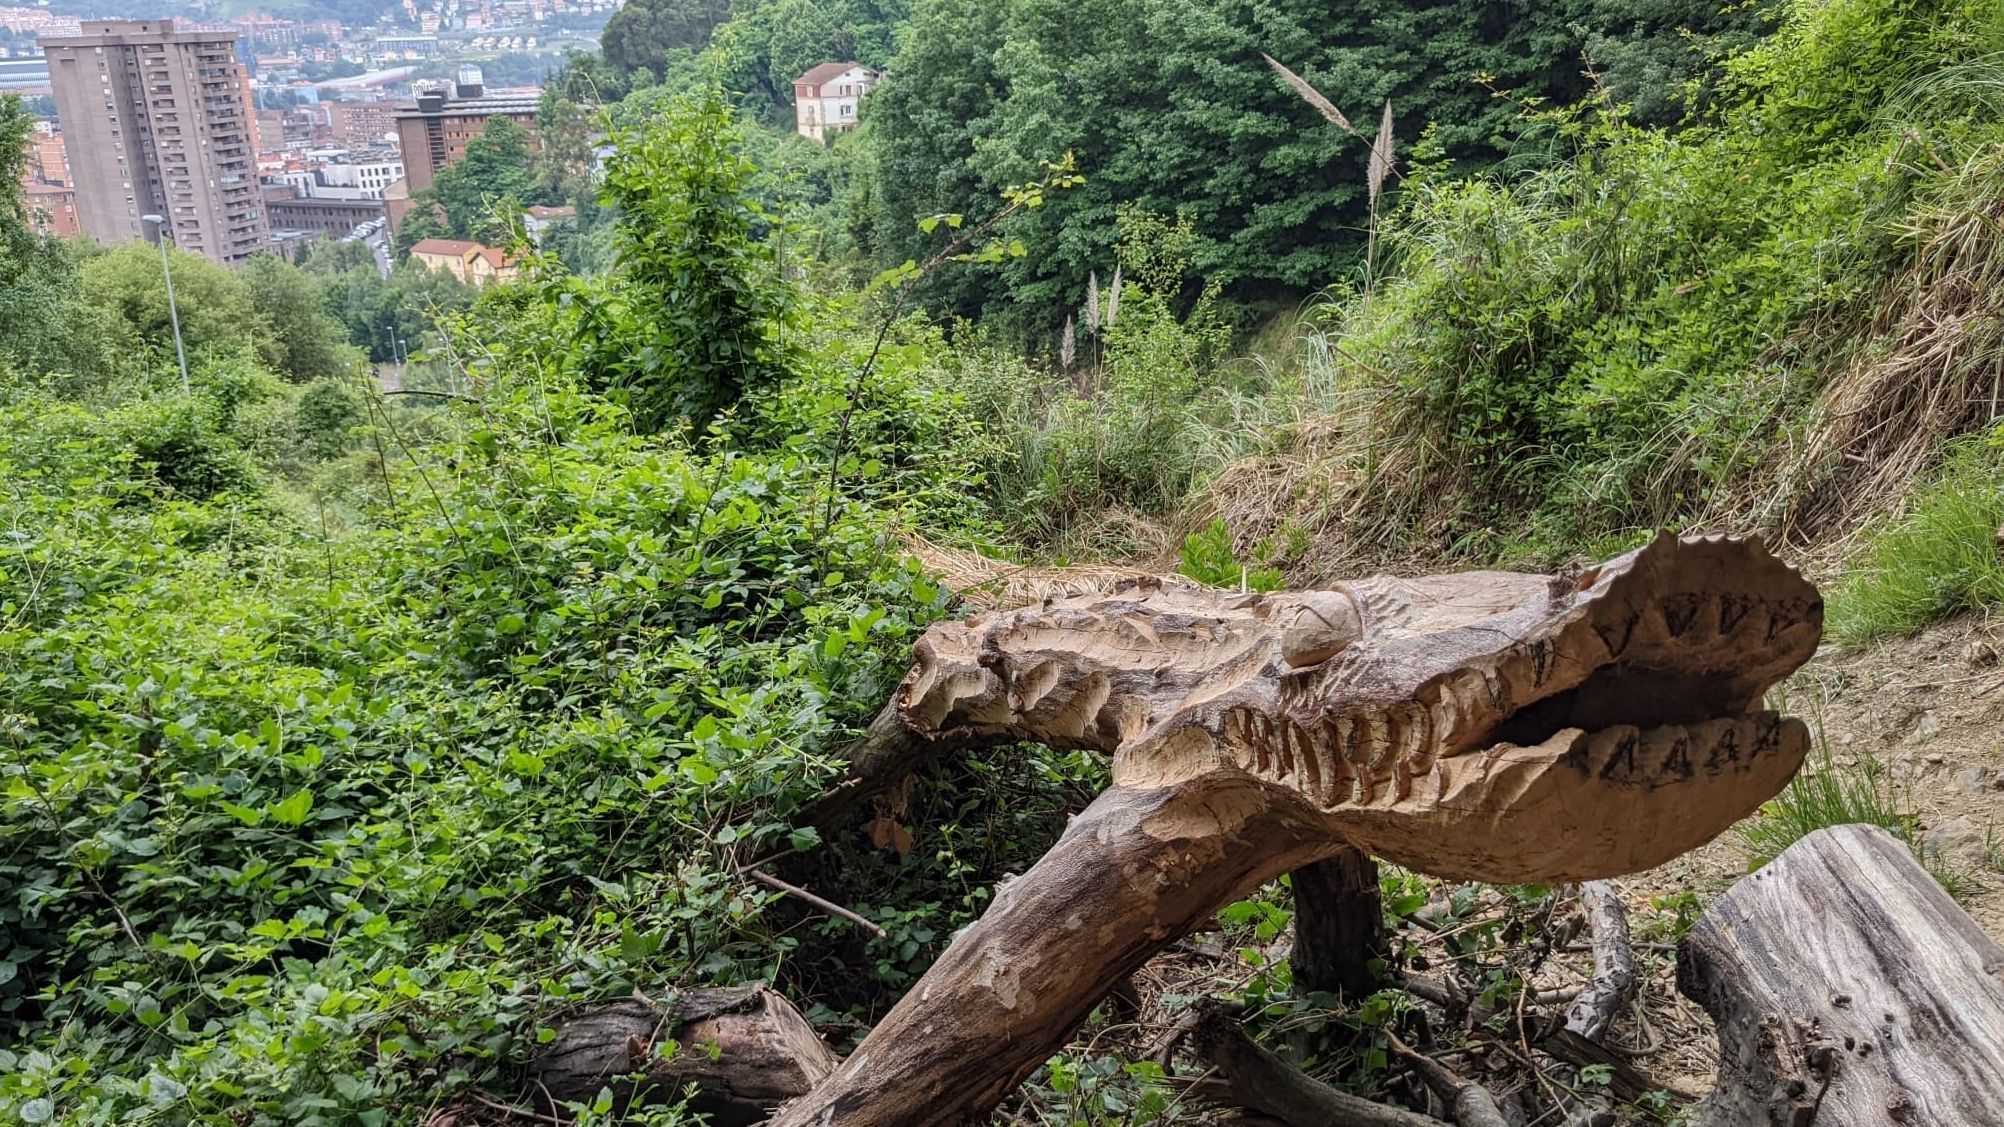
x,y
1484,725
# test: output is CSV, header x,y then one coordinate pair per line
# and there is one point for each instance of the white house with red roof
x,y
825,98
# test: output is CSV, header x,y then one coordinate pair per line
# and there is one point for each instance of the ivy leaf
x,y
293,810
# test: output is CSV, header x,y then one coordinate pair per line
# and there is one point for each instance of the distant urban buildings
x,y
157,121
825,99
52,209
433,130
262,132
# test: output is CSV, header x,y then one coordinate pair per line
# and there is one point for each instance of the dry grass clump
x,y
1934,369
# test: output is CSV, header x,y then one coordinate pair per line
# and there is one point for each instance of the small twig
x,y
828,906
518,1112
433,394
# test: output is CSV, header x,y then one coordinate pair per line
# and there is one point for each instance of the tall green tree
x,y
218,314
310,345
45,326
496,167
1170,108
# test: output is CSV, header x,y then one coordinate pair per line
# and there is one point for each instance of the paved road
x,y
380,243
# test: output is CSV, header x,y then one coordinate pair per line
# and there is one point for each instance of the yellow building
x,y
476,264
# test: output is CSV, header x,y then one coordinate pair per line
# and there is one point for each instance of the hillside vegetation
x,y
347,738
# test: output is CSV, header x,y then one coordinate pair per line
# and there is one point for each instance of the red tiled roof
x,y
824,72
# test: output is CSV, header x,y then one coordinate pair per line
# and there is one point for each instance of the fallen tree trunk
x,y
1849,990
745,1049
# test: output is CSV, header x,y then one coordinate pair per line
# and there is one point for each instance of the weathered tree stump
x,y
745,1049
1849,990
1339,925
1486,726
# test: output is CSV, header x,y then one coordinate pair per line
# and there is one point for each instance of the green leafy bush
x,y
697,312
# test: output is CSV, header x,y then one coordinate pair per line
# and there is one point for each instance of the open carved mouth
x,y
1521,712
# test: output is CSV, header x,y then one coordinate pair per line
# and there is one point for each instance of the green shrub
x,y
1210,557
697,312
305,830
1941,557
325,417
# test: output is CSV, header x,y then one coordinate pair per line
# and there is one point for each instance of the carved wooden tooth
x,y
1310,760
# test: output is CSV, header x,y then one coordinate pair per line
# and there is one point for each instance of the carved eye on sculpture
x,y
1316,626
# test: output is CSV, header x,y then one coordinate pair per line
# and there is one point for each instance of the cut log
x,y
745,1049
1487,726
1339,925
1849,990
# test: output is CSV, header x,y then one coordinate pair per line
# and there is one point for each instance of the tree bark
x,y
1136,870
1614,970
1338,925
746,1049
1848,990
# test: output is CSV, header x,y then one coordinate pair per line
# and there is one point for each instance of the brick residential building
x,y
52,209
361,124
434,130
157,121
288,210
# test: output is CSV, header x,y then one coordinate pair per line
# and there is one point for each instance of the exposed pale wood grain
x,y
1849,991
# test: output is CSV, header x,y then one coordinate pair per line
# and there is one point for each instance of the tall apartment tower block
x,y
157,122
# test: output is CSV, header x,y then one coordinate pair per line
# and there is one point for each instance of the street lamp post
x,y
173,311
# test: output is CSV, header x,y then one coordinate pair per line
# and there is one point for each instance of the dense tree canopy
x,y
1170,108
640,35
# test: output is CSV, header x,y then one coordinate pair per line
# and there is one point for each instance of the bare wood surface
x,y
1486,726
746,1049
1136,870
1242,1074
1339,925
1849,990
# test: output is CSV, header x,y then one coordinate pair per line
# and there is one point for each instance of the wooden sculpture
x,y
1485,726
